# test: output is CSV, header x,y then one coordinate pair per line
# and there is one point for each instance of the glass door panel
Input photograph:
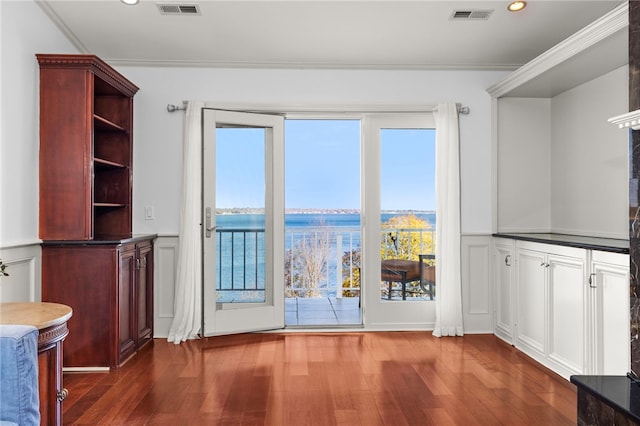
x,y
407,213
240,219
399,206
243,218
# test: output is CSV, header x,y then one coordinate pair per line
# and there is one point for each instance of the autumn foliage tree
x,y
403,237
402,240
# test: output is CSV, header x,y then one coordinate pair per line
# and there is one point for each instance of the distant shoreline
x,y
317,211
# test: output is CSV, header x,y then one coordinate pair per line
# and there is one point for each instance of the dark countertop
x,y
592,243
107,241
619,392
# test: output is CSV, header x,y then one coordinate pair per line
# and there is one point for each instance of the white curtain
x,y
187,317
448,275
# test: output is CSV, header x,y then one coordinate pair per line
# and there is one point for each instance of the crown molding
x,y
628,120
606,26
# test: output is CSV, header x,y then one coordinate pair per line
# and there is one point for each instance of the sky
x,y
322,166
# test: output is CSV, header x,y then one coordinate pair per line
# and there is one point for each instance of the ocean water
x,y
302,220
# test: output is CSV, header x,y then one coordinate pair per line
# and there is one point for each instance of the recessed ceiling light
x,y
516,6
130,2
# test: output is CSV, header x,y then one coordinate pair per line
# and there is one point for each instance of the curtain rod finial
x,y
172,108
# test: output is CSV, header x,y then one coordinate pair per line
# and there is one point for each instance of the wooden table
x,y
51,321
400,271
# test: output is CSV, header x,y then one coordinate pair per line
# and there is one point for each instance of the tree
x,y
306,264
401,238
351,271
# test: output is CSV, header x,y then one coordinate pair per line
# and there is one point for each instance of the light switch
x,y
149,213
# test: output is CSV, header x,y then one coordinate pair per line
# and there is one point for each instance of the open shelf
x,y
99,162
103,124
112,205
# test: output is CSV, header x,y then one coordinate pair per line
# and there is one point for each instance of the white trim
x,y
306,65
84,369
24,266
20,244
323,110
597,31
630,119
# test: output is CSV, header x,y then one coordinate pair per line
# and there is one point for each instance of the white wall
x,y
523,167
25,30
590,158
561,166
158,134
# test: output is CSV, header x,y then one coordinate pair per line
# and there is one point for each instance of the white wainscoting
x,y
477,293
24,283
164,276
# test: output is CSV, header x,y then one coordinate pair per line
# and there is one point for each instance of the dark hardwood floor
x,y
388,378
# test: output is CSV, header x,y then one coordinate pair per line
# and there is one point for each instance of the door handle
x,y
207,223
507,260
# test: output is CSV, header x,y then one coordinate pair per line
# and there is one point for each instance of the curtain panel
x,y
448,272
187,319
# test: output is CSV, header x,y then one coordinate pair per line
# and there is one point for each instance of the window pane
x,y
240,219
407,197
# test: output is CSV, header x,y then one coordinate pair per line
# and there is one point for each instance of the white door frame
x,y
228,318
381,314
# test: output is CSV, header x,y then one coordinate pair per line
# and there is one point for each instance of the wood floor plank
x,y
282,379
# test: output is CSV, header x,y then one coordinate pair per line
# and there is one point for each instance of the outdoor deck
x,y
325,311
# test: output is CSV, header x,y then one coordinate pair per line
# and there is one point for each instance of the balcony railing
x,y
319,261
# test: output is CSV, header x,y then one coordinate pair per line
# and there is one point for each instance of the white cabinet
x,y
609,284
504,259
550,303
531,290
566,307
567,311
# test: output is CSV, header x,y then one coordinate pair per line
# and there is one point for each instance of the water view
x,y
322,252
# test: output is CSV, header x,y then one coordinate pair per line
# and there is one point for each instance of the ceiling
x,y
350,34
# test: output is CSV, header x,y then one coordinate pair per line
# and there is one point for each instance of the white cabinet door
x,y
551,305
504,271
610,281
567,312
531,302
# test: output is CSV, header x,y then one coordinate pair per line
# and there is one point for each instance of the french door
x,y
243,222
398,175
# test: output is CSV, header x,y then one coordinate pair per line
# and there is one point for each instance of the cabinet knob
x,y
507,260
62,394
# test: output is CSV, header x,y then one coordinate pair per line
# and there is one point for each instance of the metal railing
x,y
319,261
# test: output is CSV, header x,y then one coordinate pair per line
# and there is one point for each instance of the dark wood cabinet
x,y
91,260
86,146
109,285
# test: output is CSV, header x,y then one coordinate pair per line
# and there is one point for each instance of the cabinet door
x,y
531,296
504,279
127,332
144,293
567,312
610,277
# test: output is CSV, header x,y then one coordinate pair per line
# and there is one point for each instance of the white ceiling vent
x,y
178,9
471,15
